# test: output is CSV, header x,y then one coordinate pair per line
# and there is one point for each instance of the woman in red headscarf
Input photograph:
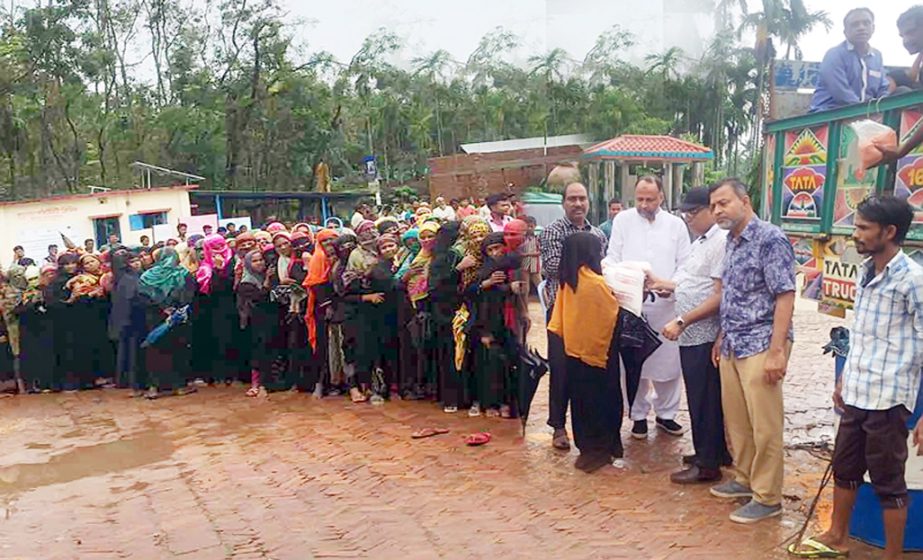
x,y
514,237
320,295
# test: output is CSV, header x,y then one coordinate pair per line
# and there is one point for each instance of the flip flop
x,y
817,550
476,439
428,432
423,433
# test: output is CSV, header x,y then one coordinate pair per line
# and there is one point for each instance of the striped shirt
x,y
532,265
695,283
886,344
551,244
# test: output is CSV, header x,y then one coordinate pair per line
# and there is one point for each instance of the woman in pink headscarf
x,y
216,256
216,334
275,227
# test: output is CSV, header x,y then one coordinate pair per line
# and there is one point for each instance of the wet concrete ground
x,y
217,475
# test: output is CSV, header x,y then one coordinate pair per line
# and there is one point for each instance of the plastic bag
x,y
627,281
863,152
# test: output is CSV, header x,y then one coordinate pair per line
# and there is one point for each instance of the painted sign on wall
x,y
909,180
804,173
850,191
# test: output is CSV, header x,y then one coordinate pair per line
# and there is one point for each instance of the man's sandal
x,y
815,549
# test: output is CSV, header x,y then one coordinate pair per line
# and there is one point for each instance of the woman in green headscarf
x,y
161,282
411,386
165,287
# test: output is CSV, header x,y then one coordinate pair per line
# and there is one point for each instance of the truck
x,y
810,189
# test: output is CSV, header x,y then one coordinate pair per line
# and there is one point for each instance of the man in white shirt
x,y
442,211
650,234
359,216
696,287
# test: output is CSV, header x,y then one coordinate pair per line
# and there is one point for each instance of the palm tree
x,y
485,61
798,22
551,68
603,61
665,64
434,68
787,20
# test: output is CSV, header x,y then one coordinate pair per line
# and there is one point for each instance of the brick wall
x,y
477,175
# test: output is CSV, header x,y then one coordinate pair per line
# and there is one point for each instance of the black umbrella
x,y
637,341
532,366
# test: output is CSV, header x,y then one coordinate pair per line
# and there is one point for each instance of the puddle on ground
x,y
94,460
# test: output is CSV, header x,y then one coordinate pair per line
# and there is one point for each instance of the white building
x,y
36,224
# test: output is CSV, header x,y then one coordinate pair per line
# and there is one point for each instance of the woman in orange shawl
x,y
582,348
317,284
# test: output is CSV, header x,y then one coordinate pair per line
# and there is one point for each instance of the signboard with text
x,y
804,174
908,182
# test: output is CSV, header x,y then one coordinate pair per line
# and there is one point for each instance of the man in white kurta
x,y
650,234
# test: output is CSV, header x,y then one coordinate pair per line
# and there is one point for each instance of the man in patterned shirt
x,y
881,381
551,242
696,286
752,351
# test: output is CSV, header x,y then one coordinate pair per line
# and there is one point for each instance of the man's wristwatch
x,y
680,321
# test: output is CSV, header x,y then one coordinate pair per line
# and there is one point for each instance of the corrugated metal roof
x,y
526,144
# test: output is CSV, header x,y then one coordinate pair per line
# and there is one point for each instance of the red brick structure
x,y
480,174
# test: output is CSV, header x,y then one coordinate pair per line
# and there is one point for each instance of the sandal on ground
x,y
423,433
357,396
492,413
474,411
152,394
561,441
815,549
450,409
428,432
253,391
506,412
476,439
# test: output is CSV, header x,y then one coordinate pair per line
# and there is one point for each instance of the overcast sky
x,y
339,26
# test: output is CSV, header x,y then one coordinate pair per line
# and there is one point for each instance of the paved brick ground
x,y
217,475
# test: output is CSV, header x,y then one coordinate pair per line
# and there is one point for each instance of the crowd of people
x,y
417,306
432,304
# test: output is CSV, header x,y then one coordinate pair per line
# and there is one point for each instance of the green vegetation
x,y
233,97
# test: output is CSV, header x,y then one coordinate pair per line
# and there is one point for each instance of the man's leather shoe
x,y
695,475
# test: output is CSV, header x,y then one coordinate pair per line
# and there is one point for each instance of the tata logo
x,y
804,179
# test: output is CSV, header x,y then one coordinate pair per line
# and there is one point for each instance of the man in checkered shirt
x,y
551,242
881,381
